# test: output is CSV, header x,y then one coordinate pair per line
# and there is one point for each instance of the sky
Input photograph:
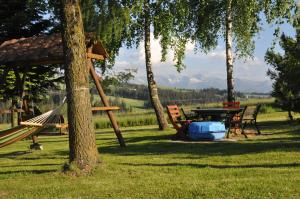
x,y
211,65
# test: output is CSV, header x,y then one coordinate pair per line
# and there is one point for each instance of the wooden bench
x,y
249,118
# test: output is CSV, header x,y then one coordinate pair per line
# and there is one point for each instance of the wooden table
x,y
218,114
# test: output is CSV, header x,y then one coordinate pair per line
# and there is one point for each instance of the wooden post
x,y
34,139
12,117
25,106
105,103
12,114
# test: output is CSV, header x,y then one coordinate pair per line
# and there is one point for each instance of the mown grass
x,y
153,166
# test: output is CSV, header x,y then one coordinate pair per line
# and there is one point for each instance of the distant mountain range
x,y
200,82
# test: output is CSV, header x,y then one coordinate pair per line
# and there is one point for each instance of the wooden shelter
x,y
48,49
44,49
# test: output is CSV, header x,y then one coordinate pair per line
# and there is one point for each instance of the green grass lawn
x,y
153,166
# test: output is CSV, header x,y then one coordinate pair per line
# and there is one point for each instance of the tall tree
x,y
159,15
243,23
285,72
153,91
83,150
229,56
238,22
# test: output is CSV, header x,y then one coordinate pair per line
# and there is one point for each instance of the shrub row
x,y
126,121
269,108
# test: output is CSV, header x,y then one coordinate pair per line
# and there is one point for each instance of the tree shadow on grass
x,y
249,166
54,141
287,139
201,149
276,126
161,144
14,154
28,171
22,155
29,165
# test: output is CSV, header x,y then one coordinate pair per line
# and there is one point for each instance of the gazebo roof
x,y
44,49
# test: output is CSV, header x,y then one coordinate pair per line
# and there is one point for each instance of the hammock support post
x,y
105,103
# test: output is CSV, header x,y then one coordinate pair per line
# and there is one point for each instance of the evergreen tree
x,y
33,81
23,18
286,72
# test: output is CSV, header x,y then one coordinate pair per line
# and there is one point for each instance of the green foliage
x,y
34,81
22,18
171,95
285,73
247,17
110,20
168,19
207,22
269,108
121,78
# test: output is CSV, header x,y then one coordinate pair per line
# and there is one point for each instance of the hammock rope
x,y
50,118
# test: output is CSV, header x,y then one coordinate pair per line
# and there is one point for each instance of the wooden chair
x,y
232,105
189,115
249,118
235,120
178,123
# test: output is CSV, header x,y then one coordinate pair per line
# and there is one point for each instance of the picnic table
x,y
217,114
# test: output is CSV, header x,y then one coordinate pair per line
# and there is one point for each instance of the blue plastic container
x,y
206,131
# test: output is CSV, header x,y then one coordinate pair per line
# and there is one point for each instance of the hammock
x,y
32,126
50,118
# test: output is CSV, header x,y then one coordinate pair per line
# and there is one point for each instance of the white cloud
x,y
212,64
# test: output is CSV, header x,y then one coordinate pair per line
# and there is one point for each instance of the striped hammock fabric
x,y
50,118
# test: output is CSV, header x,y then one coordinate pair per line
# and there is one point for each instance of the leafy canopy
x,y
22,18
208,19
25,19
285,72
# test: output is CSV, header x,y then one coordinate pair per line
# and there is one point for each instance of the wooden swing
x,y
48,49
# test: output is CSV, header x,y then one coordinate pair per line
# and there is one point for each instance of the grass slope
x,y
153,166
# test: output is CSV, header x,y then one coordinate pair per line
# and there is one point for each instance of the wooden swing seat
x,y
105,108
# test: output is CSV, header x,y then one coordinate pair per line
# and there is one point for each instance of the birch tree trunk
x,y
229,56
82,143
162,122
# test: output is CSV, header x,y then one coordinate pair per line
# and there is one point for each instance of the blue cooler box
x,y
206,131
